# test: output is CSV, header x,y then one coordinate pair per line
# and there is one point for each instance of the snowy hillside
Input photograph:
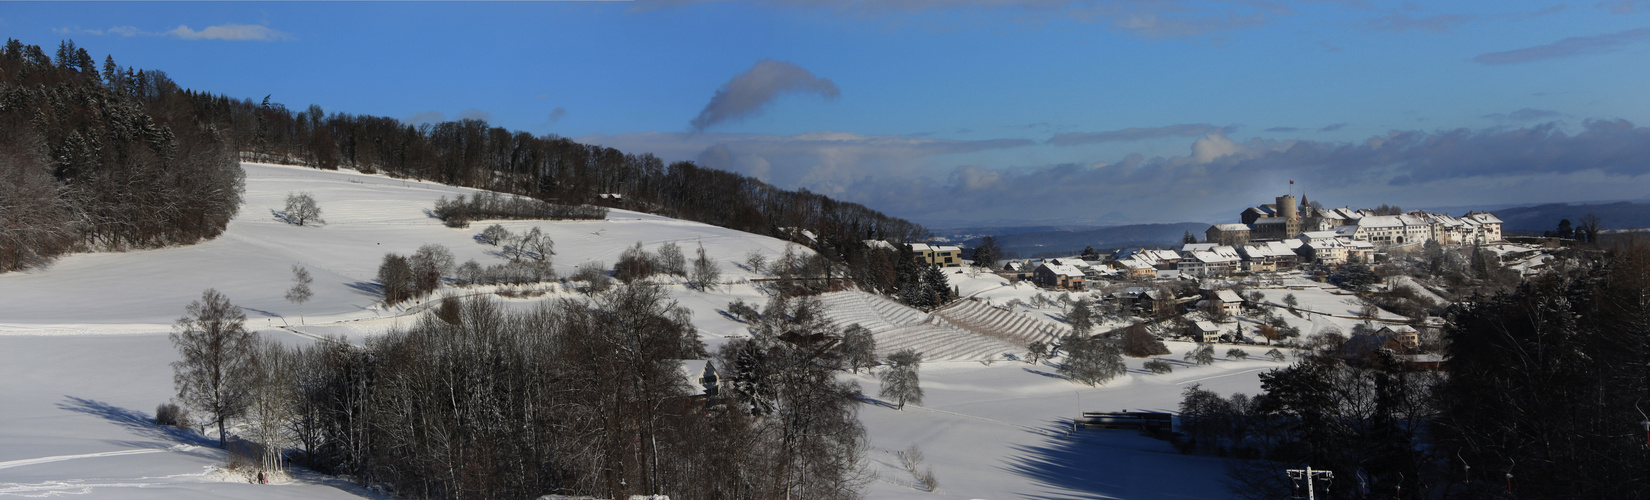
x,y
84,353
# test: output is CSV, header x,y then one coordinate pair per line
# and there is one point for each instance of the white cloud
x,y
231,32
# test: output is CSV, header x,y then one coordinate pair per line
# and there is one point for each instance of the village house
x,y
940,255
1052,275
1322,248
1204,260
1229,302
1227,234
1268,256
1205,331
1407,336
1017,270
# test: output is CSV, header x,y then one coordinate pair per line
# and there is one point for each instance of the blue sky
x,y
952,112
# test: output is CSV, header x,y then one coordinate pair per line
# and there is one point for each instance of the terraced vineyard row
x,y
971,331
1002,324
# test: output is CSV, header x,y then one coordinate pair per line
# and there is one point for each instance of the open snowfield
x,y
84,355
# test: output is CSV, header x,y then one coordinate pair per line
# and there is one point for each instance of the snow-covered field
x,y
84,354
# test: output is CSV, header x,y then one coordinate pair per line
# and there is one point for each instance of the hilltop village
x,y
1279,236
1378,278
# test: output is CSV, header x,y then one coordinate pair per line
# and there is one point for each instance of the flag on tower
x,y
1291,181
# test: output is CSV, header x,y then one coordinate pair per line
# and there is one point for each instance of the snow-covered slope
x,y
75,400
367,216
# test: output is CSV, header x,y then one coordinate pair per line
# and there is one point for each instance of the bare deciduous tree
x,y
300,293
899,379
670,259
429,264
858,347
215,351
396,276
705,271
1091,361
302,209
495,235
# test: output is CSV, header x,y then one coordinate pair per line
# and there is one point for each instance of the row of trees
x,y
103,161
575,397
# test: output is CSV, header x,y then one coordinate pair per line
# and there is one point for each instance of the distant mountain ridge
x,y
1537,218
1026,242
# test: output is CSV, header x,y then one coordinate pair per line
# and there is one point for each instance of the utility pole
x,y
1311,491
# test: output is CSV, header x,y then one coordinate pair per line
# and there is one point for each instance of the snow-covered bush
x,y
593,274
170,414
1158,366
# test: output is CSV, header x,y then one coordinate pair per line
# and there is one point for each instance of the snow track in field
x,y
60,458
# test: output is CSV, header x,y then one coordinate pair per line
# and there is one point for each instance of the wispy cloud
x,y
1400,167
1568,47
929,179
747,93
1625,6
1137,134
231,32
1145,19
556,114
1400,22
1282,129
228,32
826,162
1524,115
1332,127
431,116
473,114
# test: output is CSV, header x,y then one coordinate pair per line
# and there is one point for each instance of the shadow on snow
x,y
1105,464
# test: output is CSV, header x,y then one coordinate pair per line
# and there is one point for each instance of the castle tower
x,y
1287,208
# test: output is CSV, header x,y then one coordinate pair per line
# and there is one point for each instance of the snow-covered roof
x,y
1195,247
1318,235
921,247
945,248
1381,221
1324,243
1131,263
1212,258
1485,218
1226,295
1066,270
879,244
1232,227
1155,257
1267,249
1270,220
1400,329
1206,326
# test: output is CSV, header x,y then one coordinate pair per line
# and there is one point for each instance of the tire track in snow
x,y
60,458
1227,374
